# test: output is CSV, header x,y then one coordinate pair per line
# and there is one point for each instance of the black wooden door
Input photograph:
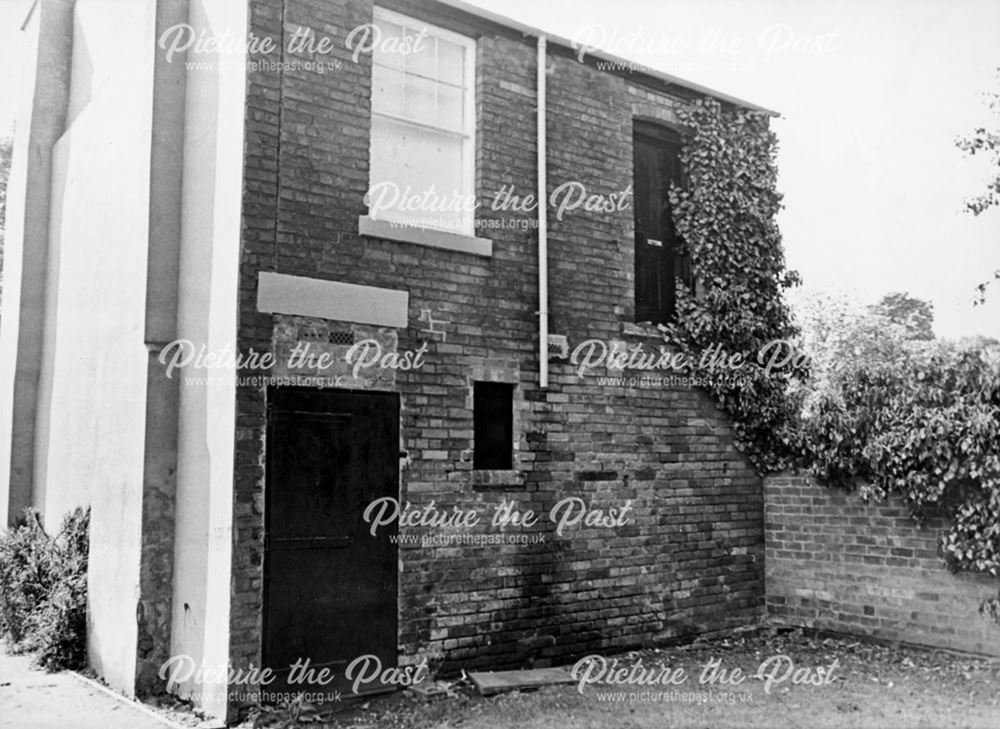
x,y
658,262
329,585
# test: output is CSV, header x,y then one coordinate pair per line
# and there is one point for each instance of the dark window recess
x,y
660,258
493,425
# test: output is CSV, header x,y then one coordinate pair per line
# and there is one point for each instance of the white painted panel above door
x,y
279,293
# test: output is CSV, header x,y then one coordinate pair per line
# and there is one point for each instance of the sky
x,y
872,95
12,14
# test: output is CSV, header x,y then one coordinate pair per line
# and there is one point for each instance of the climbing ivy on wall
x,y
725,214
924,426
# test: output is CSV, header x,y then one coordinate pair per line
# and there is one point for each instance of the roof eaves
x,y
602,55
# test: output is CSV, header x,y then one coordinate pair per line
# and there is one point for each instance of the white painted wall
x,y
93,382
210,244
46,62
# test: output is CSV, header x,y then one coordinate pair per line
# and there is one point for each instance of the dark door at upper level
x,y
329,584
658,257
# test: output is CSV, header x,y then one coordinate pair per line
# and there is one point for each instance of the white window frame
x,y
468,135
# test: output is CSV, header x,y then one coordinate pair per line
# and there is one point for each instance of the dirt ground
x,y
871,685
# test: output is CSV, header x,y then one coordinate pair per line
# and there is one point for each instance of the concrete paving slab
x,y
33,699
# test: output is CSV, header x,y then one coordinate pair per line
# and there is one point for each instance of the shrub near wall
x,y
43,590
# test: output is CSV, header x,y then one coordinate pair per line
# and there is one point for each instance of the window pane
x,y
451,63
422,58
384,145
421,130
450,109
418,100
418,161
389,36
387,90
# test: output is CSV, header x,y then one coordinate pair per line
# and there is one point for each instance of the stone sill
x,y
644,329
387,230
505,480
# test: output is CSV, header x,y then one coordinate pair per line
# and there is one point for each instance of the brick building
x,y
357,200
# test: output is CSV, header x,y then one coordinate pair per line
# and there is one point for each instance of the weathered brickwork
x,y
690,560
836,563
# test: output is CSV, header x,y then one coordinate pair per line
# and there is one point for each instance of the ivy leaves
x,y
726,216
928,430
920,421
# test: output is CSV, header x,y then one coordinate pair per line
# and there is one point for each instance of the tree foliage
x,y
6,149
915,316
985,143
841,336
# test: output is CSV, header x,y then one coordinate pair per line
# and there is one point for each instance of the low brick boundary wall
x,y
835,563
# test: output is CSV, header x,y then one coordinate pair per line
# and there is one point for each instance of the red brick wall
x,y
836,563
691,560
